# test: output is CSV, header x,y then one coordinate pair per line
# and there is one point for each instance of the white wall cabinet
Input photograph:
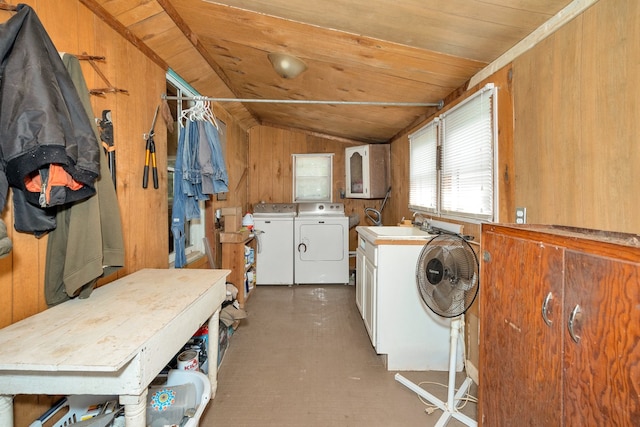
x,y
400,326
368,173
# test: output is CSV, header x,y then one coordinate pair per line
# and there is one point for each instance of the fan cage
x,y
447,275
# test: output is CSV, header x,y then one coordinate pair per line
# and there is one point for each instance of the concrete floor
x,y
303,358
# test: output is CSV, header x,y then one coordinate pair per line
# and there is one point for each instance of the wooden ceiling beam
x,y
193,38
105,16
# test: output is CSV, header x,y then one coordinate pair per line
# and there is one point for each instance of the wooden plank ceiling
x,y
410,51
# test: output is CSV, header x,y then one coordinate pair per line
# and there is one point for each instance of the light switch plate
x,y
521,215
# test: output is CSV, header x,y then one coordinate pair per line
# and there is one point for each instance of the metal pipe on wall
x,y
439,104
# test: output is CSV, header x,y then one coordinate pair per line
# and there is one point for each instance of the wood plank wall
x,y
568,126
270,168
577,97
74,29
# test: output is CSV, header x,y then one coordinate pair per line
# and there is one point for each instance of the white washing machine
x,y
321,236
273,223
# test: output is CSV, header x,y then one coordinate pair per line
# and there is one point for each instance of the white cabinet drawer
x,y
370,250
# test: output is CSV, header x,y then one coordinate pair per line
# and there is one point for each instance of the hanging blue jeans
x,y
191,172
218,170
178,208
199,170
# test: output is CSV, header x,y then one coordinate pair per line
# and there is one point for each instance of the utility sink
x,y
392,232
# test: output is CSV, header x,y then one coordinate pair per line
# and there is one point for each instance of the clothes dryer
x,y
321,236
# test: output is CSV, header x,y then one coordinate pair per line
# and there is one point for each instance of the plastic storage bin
x,y
78,406
202,393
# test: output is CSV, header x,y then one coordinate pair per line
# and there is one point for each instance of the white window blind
x,y
467,158
452,160
423,173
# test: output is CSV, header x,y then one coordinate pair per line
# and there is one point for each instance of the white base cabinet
x,y
370,299
399,324
359,279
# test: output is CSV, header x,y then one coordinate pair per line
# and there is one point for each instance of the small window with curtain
x,y
312,177
452,160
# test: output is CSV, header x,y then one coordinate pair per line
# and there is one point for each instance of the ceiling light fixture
x,y
287,66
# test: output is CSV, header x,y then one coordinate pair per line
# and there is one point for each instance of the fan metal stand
x,y
449,407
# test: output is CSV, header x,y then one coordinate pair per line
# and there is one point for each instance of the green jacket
x,y
87,242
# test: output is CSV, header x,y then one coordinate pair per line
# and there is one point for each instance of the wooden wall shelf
x,y
233,258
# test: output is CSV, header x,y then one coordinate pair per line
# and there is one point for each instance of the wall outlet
x,y
521,215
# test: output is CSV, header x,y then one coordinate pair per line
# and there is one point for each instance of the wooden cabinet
x,y
239,256
368,173
560,327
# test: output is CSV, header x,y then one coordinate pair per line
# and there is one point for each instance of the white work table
x,y
113,343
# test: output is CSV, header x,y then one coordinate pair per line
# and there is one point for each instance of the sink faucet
x,y
420,220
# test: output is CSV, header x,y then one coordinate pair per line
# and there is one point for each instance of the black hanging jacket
x,y
44,130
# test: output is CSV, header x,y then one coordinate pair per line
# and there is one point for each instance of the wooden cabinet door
x,y
602,370
523,386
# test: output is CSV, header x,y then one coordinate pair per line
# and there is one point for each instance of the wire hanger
x,y
209,115
199,111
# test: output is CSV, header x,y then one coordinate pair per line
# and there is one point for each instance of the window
x,y
451,161
423,171
312,177
194,229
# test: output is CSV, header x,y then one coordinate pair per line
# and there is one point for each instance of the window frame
x,y
196,227
324,161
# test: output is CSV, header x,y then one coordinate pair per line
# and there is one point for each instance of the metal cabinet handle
x,y
545,309
575,316
302,245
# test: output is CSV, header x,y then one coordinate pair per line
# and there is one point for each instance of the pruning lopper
x,y
150,155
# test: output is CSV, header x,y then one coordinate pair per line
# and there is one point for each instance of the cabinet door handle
x,y
575,316
545,309
303,247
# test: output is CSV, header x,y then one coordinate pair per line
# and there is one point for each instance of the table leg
x,y
212,351
6,410
135,409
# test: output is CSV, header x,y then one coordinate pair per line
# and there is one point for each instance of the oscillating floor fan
x,y
447,279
